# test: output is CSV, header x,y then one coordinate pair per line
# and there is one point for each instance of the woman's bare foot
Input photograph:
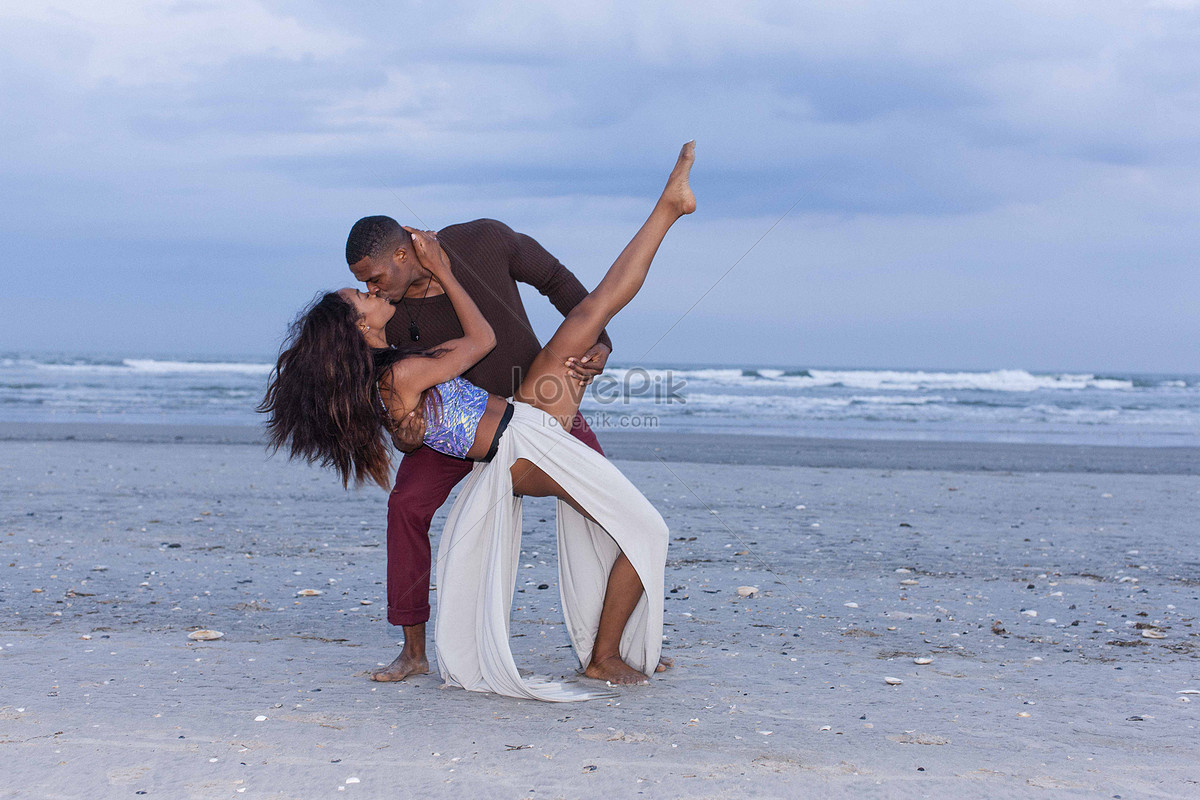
x,y
615,671
664,663
678,193
404,665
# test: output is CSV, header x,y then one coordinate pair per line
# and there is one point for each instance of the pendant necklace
x,y
414,332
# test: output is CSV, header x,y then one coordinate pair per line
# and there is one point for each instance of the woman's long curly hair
x,y
323,396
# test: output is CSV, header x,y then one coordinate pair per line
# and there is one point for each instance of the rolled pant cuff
x,y
408,616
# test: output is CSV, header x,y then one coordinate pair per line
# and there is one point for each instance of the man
x,y
488,258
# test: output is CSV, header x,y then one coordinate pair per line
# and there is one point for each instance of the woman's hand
x,y
430,252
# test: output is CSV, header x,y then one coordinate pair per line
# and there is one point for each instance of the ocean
x,y
1003,405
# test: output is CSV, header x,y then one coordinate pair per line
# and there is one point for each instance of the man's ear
x,y
400,255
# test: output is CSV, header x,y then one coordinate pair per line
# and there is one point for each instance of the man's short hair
x,y
371,236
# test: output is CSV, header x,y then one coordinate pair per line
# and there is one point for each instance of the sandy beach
x,y
1050,593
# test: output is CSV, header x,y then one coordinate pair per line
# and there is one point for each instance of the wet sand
x,y
865,556
779,451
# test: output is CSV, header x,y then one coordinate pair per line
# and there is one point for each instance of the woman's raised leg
x,y
546,384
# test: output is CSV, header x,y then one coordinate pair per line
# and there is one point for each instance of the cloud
x,y
936,146
147,42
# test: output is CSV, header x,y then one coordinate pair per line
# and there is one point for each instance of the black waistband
x,y
508,412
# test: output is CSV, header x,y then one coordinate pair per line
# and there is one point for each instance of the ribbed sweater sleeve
x,y
530,263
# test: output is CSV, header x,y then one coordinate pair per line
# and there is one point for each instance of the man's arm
x,y
531,263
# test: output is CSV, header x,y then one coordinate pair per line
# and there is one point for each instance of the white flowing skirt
x,y
478,556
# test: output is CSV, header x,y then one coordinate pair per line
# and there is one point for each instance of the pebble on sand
x,y
308,593
747,591
923,660
260,718
890,681
204,635
1153,634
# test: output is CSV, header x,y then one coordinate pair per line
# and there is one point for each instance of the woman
x,y
338,384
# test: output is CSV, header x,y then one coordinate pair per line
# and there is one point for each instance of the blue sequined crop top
x,y
452,428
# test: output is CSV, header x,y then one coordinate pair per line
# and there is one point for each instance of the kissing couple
x,y
437,358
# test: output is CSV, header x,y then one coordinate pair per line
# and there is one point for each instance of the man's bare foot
x,y
664,663
615,671
678,193
401,668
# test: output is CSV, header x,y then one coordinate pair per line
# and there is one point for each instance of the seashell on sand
x,y
747,591
308,593
923,660
890,681
204,635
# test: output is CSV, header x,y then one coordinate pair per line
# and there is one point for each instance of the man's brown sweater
x,y
488,258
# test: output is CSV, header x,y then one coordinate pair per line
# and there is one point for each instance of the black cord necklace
x,y
414,332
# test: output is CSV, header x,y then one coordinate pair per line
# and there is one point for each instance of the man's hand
x,y
592,363
408,433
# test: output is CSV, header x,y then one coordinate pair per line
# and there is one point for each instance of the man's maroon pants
x,y
423,482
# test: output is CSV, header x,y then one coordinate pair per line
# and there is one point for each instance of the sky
x,y
924,184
